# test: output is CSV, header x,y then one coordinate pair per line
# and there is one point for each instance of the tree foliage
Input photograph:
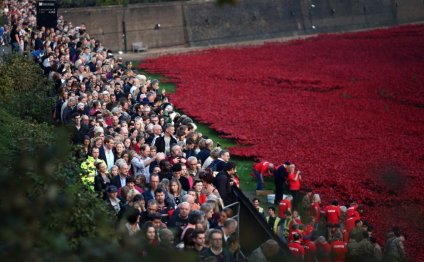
x,y
46,212
24,92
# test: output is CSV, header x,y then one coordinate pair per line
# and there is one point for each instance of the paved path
x,y
156,52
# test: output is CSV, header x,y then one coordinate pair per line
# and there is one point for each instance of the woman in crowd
x,y
149,232
101,180
133,218
119,149
175,191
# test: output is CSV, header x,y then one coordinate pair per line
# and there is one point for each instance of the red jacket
x,y
310,251
297,250
262,167
333,214
338,251
284,205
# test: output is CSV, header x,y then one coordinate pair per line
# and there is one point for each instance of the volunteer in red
x,y
338,249
297,249
310,249
294,185
333,213
260,170
284,205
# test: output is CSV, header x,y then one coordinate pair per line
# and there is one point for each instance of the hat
x,y
176,167
287,163
112,189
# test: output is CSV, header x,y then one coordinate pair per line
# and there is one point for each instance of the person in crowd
x,y
296,248
265,251
200,191
133,218
216,248
121,180
165,204
280,181
106,151
199,238
113,199
153,186
149,232
206,146
229,228
273,220
179,219
89,168
220,163
164,143
101,180
224,181
257,205
212,157
175,191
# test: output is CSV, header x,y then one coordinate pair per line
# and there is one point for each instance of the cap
x,y
112,189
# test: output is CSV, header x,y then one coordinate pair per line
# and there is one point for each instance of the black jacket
x,y
222,184
160,143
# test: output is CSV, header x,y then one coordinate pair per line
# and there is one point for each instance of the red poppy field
x,y
348,109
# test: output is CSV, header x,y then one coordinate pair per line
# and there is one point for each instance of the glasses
x,y
217,239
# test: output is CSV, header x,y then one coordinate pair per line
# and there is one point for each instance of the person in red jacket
x,y
323,250
333,213
294,230
260,170
338,249
294,179
296,248
350,222
310,250
284,205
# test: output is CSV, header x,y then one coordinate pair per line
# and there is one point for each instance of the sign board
x,y
46,13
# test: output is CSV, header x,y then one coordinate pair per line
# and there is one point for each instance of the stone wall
x,y
199,23
106,24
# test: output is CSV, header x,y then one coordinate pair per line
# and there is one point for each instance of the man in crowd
x,y
224,181
121,179
106,151
216,248
165,142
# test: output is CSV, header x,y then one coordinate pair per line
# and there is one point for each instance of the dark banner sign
x,y
46,13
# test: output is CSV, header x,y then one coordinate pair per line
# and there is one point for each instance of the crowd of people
x,y
163,179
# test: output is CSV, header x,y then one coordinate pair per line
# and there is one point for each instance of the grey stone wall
x,y
199,23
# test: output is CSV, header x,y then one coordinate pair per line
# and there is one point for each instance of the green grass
x,y
244,165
